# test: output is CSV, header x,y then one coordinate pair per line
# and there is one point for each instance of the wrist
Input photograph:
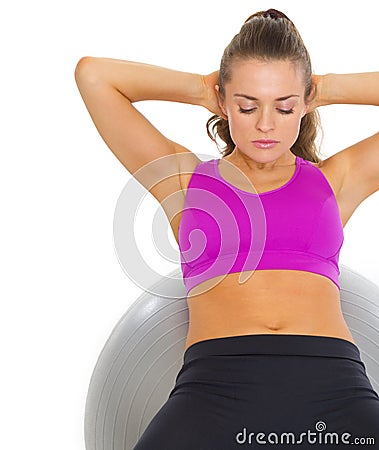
x,y
326,89
209,98
200,93
338,88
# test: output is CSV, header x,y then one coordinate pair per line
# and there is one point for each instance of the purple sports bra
x,y
224,229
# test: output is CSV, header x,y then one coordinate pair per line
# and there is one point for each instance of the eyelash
x,y
249,111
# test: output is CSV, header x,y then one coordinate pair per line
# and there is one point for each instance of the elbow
x,y
83,64
85,70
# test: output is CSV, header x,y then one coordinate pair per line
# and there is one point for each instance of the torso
x,y
270,301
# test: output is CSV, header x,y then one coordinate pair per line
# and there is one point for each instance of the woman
x,y
269,359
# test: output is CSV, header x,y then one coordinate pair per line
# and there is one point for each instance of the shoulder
x,y
331,168
190,166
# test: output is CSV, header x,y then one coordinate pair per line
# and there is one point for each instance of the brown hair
x,y
268,35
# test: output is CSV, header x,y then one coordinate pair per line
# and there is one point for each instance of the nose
x,y
265,122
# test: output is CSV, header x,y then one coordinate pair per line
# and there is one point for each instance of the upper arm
x,y
148,155
360,163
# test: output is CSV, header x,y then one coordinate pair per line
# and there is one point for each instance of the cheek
x,y
290,131
293,124
236,124
242,131
241,122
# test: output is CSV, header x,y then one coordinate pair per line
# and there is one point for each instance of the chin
x,y
267,154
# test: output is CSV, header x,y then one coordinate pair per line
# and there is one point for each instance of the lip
x,y
265,143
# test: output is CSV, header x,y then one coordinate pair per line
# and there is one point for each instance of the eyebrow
x,y
280,99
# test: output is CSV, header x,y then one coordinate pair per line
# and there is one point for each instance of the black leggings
x,y
266,390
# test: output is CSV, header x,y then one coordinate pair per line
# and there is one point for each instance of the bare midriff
x,y
268,302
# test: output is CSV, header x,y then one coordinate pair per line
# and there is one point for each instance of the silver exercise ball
x,y
137,368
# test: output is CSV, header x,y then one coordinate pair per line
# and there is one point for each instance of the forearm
x,y
356,88
139,81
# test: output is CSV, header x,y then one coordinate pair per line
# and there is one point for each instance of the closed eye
x,y
251,110
246,111
286,111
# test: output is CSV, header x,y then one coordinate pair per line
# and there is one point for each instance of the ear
x,y
306,110
221,102
310,102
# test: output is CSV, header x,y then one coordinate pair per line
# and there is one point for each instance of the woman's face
x,y
264,102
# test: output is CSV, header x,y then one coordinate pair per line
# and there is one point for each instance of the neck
x,y
240,159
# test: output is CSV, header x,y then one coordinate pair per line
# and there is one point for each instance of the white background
x,y
62,288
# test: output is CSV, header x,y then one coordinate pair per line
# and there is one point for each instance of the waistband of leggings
x,y
274,344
